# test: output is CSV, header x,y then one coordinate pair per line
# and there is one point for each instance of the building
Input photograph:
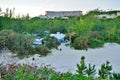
x,y
42,17
52,14
107,16
118,13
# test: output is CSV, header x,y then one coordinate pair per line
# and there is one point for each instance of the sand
x,y
66,59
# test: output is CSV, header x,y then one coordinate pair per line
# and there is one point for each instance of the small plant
x,y
115,76
105,70
84,70
42,50
82,67
91,71
28,72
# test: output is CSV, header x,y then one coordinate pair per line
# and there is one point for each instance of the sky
x,y
38,7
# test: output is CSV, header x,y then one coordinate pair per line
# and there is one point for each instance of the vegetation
x,y
105,70
93,32
82,32
17,43
97,12
84,70
27,72
21,44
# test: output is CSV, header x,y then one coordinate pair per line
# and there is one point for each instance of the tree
x,y
71,33
9,13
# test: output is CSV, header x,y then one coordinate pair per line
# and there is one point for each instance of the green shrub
x,y
42,50
51,42
22,44
81,43
21,72
94,43
3,38
115,76
27,72
82,66
70,76
2,42
82,69
91,71
105,70
16,42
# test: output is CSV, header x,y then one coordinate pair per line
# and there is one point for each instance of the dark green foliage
x,y
115,76
82,66
19,26
82,69
1,25
91,71
95,43
105,70
70,76
99,28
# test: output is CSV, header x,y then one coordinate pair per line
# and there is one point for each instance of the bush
x,y
82,66
22,44
82,69
94,43
115,76
2,42
42,50
19,43
3,38
105,70
51,42
81,43
27,72
21,72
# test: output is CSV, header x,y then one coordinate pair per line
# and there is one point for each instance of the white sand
x,y
67,59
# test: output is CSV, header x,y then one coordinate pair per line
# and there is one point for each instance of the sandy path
x,y
67,59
